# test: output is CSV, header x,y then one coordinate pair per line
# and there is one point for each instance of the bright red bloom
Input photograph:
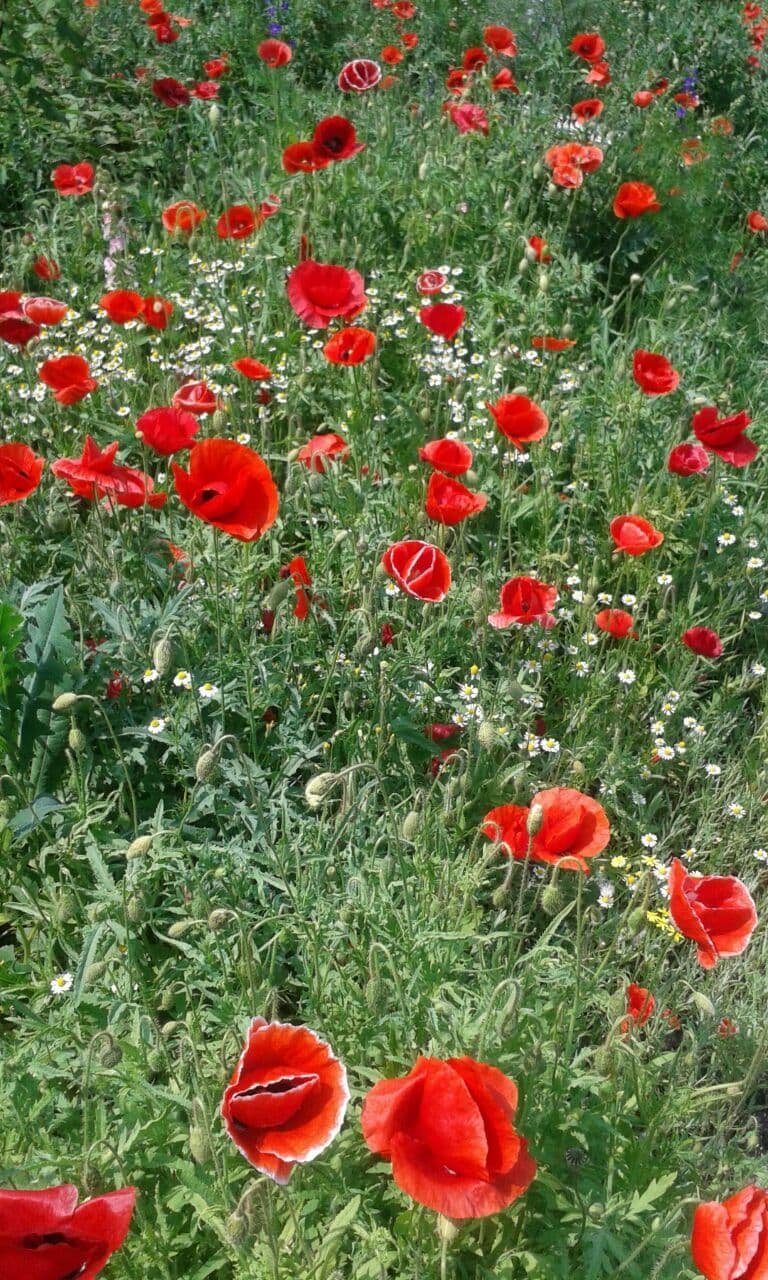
x,y
252,369
726,1027
183,216
451,456
654,374
574,827
166,430
73,179
205,90
215,68
238,222
587,109
410,39
553,344
640,1006
504,80
457,81
20,472
687,459
588,45
519,419
195,397
469,118
122,305
635,535
47,311
473,59
443,318
334,139
350,346
391,55
757,222
15,327
449,501
643,98
68,377
730,1240
156,311
45,1234
430,282
321,449
703,641
715,912
539,247
501,40
46,268
171,92
616,622
318,291
598,74
359,75
572,155
275,53
725,436
297,571
525,600
448,1130
633,199
419,569
301,157
404,10
286,1100
95,474
229,486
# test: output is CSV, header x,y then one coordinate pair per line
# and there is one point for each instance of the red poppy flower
x,y
519,419
501,40
573,155
301,157
687,459
588,45
448,1130
46,1234
725,436
238,222
730,1240
727,1028
95,474
451,456
469,118
430,282
252,369
635,535
449,501
45,311
703,641
757,222
692,151
122,305
166,430
539,247
156,311
171,92
410,39
68,377
334,139
457,81
164,33
419,569
525,600
640,1006
633,199
473,59
205,90
689,101
228,485
654,374
287,1098
215,68
553,344
183,216
404,10
318,291
350,346
504,80
275,53
587,109
322,448
443,318
46,268
715,912
573,827
20,472
615,622
73,179
643,98
195,397
391,55
297,571
598,74
359,75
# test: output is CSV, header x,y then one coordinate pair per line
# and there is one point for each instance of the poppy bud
x,y
543,282
374,991
522,266
551,900
57,522
578,768
76,740
64,702
530,253
111,1054
214,114
635,280
471,477
199,1146
699,401
319,788
162,656
238,1227
662,615
424,168
219,917
180,927
134,909
447,1229
411,825
596,1212
206,763
538,169
94,971
138,847
219,420
637,920
519,391
279,592
567,330
64,907
703,1004
534,820
487,737
364,645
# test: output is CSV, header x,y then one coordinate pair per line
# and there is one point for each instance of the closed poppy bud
x,y
64,702
162,656
206,764
487,736
138,847
411,825
551,900
76,740
319,788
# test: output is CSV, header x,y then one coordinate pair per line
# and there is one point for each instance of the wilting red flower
x,y
504,80
525,600
166,430
573,827
721,125
195,397
692,151
715,912
73,179
703,641
598,74
469,118
275,53
640,1006
320,450
687,459
501,40
238,222
443,318
419,569
451,456
183,216
730,1240
156,311
616,622
171,92
552,344
350,346
539,247
229,486
359,75
252,369
473,59
725,436
391,55
472,1166
215,68
727,1028
287,1098
587,109
635,535
633,199
68,377
334,139
568,155
16,328
95,474
756,221
122,305
519,419
449,501
20,472
46,1234
318,291
430,282
115,686
643,97
654,374
46,268
301,157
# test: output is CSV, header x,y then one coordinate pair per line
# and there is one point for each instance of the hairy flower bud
x,y
111,1053
551,900
487,737
162,656
319,788
206,763
534,820
138,847
411,825
64,702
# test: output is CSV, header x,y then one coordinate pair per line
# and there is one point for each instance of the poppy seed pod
x,y
534,820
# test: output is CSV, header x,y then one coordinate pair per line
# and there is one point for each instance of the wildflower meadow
x,y
383,599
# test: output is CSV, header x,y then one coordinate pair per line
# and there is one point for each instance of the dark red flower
x,y
615,622
574,827
687,459
703,641
451,456
715,912
587,109
73,179
443,318
46,1235
419,569
640,1006
238,222
523,601
334,139
725,436
633,199
519,419
166,430
359,75
588,45
323,448
215,68
654,374
387,633
205,91
643,98
730,1240
635,535
350,346
46,268
16,328
297,571
504,80
195,397
318,292
450,502
473,59
757,222
275,53
430,282
68,377
122,305
20,472
171,92
229,486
